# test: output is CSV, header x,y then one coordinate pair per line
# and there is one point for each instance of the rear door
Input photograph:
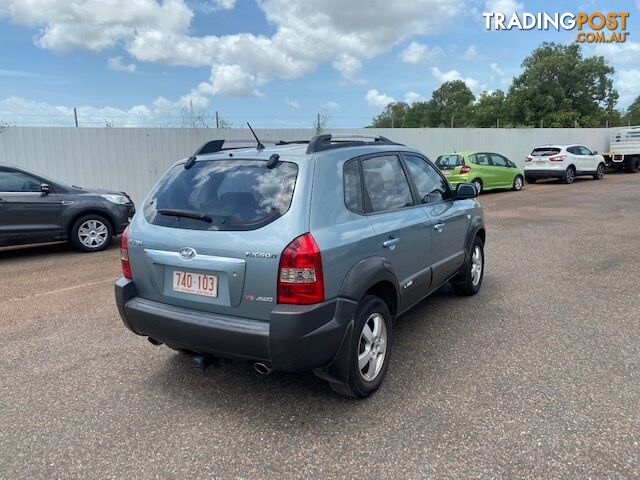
x,y
447,219
27,215
483,170
211,236
401,228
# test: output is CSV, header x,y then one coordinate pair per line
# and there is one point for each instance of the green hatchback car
x,y
486,170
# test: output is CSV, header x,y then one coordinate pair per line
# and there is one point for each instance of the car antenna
x,y
454,150
260,146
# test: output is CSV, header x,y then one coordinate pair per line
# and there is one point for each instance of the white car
x,y
564,162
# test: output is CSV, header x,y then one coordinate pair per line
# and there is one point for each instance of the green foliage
x,y
632,115
558,87
489,109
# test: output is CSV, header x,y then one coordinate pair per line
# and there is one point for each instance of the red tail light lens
x,y
124,253
528,158
557,158
300,273
465,169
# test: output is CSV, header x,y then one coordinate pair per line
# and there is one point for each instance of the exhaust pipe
x,y
262,369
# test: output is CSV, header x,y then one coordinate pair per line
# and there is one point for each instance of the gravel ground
x,y
538,376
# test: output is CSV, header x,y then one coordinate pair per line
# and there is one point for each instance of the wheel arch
x,y
373,276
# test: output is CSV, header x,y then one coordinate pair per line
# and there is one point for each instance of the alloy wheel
x,y
372,347
93,233
476,265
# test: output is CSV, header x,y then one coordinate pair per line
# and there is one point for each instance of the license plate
x,y
195,283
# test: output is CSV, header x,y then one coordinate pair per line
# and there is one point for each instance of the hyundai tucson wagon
x,y
297,256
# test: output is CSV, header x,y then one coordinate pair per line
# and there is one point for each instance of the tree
x,y
321,122
393,116
489,109
558,87
632,115
450,104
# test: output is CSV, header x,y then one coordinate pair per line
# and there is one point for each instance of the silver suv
x,y
297,256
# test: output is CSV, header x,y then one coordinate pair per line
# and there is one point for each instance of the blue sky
x,y
275,63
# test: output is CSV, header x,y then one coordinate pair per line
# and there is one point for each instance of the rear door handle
x,y
391,243
438,227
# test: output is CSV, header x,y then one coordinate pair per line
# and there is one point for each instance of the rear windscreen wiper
x,y
185,213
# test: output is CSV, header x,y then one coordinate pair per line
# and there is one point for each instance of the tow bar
x,y
202,362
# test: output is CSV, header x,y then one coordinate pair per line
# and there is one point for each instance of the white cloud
x,y
230,80
331,105
118,65
348,66
627,53
292,103
628,85
471,53
306,33
413,97
377,99
508,7
215,5
451,75
499,76
420,53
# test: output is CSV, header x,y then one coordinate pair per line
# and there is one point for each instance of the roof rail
x,y
329,141
214,146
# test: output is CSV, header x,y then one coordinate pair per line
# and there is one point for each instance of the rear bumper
x,y
544,173
296,338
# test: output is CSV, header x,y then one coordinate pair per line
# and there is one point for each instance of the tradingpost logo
x,y
595,27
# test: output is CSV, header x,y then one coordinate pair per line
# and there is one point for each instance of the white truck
x,y
624,149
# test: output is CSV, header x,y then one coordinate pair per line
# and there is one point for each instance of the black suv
x,y
35,209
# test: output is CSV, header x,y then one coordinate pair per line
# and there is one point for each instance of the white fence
x,y
132,159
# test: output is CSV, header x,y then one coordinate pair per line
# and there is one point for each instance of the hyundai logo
x,y
187,253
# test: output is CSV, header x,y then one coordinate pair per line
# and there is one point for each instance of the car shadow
x,y
302,398
42,249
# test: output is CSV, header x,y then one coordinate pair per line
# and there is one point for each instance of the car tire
x,y
569,176
478,184
91,233
599,175
634,165
469,279
373,316
532,180
518,183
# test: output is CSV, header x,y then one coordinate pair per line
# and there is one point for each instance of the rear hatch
x,y
540,156
209,237
450,165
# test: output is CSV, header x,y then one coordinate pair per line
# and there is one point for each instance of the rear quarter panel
x,y
344,237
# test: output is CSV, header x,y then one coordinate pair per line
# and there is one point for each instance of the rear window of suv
x,y
222,195
448,162
544,152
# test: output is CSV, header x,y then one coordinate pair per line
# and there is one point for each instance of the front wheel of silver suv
x,y
469,279
370,349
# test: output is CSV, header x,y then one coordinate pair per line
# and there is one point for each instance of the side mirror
x,y
595,152
45,189
466,190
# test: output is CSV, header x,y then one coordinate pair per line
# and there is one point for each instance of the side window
x,y
352,186
498,160
586,151
482,159
574,150
473,159
430,185
17,182
386,183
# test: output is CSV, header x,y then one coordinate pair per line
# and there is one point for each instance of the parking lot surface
x,y
537,376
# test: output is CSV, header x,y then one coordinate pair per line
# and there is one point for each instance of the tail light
x,y
557,158
465,169
528,158
300,273
124,253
